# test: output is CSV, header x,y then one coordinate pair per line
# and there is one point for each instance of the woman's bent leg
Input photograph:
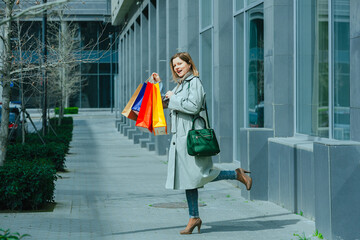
x,y
226,175
192,199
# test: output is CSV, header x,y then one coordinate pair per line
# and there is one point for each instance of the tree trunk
x,y
63,39
4,121
4,128
22,112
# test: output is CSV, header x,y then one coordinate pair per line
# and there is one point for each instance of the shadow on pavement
x,y
244,224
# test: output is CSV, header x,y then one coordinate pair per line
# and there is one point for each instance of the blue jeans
x,y
192,194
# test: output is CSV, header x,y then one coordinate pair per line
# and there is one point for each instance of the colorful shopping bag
x,y
128,112
137,104
158,117
144,119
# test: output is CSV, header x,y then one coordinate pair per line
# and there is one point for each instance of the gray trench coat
x,y
185,171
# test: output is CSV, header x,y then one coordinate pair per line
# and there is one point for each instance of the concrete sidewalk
x,y
115,190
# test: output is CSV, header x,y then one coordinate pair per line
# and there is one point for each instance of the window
x,y
255,65
341,75
323,75
248,67
239,75
89,94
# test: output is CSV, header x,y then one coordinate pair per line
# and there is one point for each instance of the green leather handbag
x,y
202,142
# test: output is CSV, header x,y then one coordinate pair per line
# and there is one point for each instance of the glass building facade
x,y
281,82
323,69
97,57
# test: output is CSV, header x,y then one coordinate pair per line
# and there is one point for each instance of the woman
x,y
184,171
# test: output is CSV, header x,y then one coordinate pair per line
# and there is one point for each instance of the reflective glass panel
x,y
255,88
239,61
89,94
104,91
341,110
312,68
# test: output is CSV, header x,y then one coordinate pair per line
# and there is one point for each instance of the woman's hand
x,y
169,94
156,77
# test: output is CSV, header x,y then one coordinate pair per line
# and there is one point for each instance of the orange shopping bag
x,y
128,112
144,119
158,117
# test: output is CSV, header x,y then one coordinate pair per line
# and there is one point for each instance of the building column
x,y
354,70
279,67
188,26
223,79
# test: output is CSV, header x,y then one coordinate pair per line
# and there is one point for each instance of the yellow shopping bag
x,y
158,118
127,112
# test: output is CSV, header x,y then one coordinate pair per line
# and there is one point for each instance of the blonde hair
x,y
186,58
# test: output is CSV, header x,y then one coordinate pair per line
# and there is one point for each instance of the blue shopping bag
x,y
137,104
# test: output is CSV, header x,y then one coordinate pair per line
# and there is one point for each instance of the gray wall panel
x,y
305,187
291,175
223,84
279,51
254,157
282,75
188,26
172,41
162,142
354,121
268,88
354,18
336,184
244,159
344,182
274,172
322,189
286,171
283,124
258,159
354,70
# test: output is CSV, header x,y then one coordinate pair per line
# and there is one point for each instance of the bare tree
x,y
6,65
64,76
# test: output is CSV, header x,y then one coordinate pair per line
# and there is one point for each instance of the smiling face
x,y
180,67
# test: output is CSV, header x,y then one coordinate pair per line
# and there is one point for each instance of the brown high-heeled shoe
x,y
242,177
190,227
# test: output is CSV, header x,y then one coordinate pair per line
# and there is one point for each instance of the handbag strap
x,y
206,111
207,116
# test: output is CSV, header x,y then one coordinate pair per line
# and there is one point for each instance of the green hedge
x,y
53,151
69,110
63,133
27,180
26,184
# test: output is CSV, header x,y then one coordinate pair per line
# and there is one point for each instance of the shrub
x,y
27,180
63,134
69,110
26,184
54,152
